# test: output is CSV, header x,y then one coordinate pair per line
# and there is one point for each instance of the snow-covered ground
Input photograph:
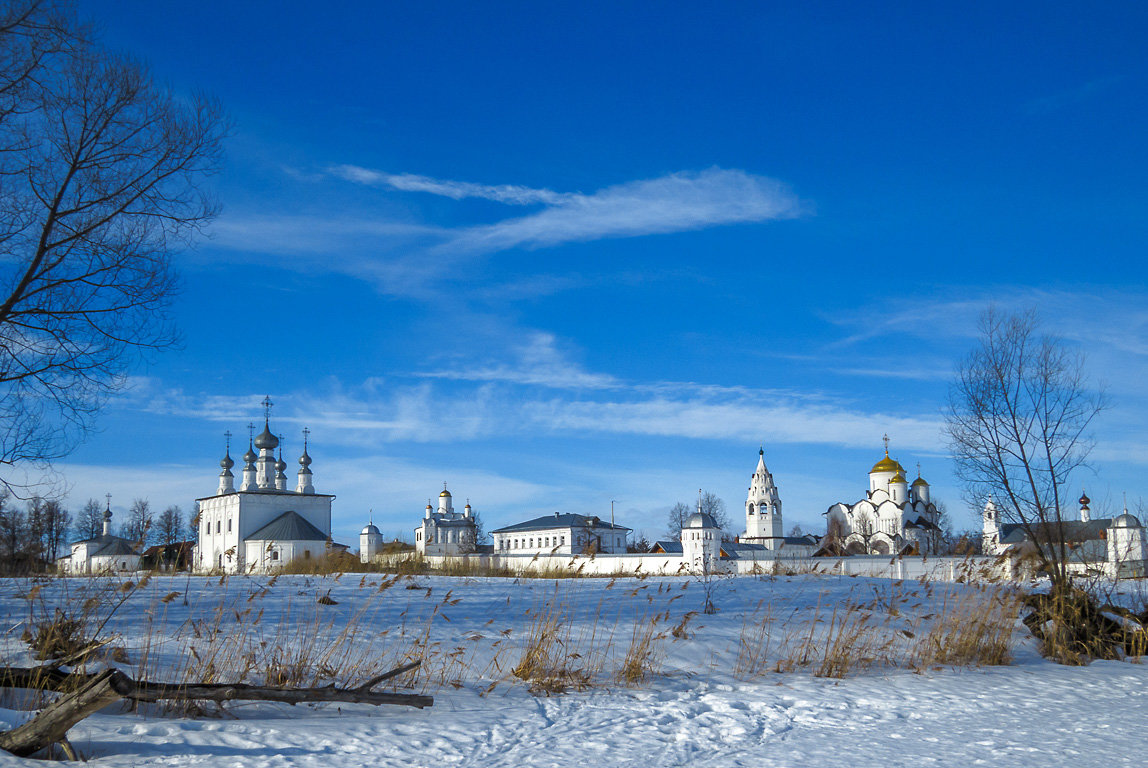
x,y
712,694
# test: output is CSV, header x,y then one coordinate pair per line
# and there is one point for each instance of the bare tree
x,y
90,520
715,508
169,527
13,529
138,528
1017,422
54,521
480,534
864,526
100,177
676,519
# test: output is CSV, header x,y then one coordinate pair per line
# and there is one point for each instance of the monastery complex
x,y
266,522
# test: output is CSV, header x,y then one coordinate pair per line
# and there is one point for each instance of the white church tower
x,y
370,542
763,509
991,536
701,542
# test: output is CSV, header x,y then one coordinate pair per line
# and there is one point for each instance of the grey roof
x,y
1074,530
560,521
115,546
702,520
109,545
1126,521
669,546
289,526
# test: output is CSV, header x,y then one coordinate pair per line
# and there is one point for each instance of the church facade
x,y
893,518
444,531
263,524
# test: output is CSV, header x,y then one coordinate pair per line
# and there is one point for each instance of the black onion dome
x,y
250,456
227,462
265,439
305,459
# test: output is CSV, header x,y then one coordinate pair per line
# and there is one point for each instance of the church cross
x,y
227,434
267,408
306,434
250,431
886,441
109,498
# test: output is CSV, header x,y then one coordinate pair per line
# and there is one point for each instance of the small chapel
x,y
263,524
894,517
105,553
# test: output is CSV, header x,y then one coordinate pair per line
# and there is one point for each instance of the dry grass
x,y
643,653
550,663
973,626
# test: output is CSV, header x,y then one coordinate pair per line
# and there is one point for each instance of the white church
x,y
263,524
105,553
894,517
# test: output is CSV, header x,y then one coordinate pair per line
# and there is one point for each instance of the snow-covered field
x,y
711,693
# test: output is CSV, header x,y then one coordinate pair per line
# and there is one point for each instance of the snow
x,y
695,708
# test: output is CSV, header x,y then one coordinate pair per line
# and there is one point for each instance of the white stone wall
x,y
935,568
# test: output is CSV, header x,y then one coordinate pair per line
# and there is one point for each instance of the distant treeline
x,y
36,531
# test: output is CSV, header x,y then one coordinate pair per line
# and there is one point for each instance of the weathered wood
x,y
51,724
43,678
145,691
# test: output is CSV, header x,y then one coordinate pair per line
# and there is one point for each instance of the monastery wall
x,y
878,566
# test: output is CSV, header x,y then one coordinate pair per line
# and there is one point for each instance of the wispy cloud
x,y
538,362
511,194
679,202
405,257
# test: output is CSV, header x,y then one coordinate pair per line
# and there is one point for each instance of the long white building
x,y
565,534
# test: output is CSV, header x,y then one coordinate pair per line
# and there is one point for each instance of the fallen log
x,y
41,678
84,694
50,726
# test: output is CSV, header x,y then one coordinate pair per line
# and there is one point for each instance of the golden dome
x,y
886,465
899,477
919,481
444,493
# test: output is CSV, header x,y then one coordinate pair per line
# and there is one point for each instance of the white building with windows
x,y
1113,546
893,518
444,531
561,534
263,524
101,554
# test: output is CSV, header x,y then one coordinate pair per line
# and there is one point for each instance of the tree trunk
x,y
51,725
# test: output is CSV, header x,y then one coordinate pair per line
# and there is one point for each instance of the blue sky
x,y
558,254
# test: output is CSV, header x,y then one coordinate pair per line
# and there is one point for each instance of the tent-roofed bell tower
x,y
763,508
